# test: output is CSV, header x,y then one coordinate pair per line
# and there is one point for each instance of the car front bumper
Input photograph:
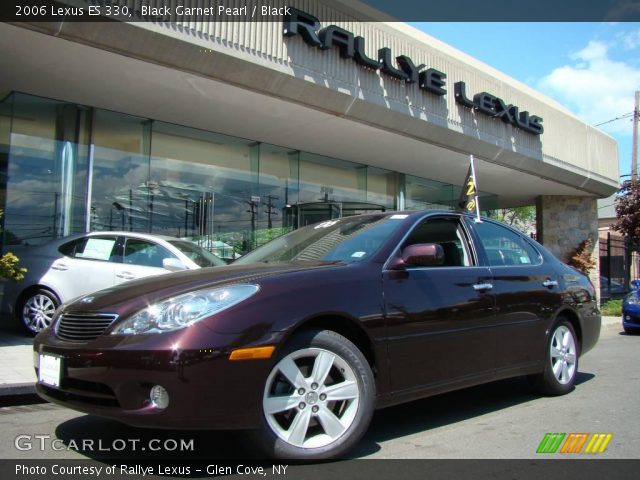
x,y
631,316
206,390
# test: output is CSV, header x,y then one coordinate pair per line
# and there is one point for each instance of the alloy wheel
x,y
38,311
311,398
563,355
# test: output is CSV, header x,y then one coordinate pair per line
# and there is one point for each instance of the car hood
x,y
134,295
634,294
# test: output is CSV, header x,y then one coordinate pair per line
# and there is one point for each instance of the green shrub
x,y
612,308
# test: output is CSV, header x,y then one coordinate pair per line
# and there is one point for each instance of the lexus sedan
x,y
73,266
301,339
631,309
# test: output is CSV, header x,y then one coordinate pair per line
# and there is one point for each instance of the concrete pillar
x,y
563,222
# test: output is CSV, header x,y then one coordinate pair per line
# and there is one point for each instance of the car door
x,y
439,319
141,258
87,266
526,290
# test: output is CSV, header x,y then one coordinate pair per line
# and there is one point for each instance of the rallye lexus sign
x,y
430,80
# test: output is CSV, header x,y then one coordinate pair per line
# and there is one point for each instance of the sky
x,y
593,69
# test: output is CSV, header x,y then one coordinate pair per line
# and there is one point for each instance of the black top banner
x,y
364,10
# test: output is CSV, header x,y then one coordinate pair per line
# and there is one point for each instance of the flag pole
x,y
475,183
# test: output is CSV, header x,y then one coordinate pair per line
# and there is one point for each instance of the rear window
x,y
91,248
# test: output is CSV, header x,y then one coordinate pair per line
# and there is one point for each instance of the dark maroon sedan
x,y
303,338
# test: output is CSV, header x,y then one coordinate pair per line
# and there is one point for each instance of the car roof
x,y
54,244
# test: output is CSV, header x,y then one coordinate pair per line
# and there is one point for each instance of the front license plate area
x,y
50,371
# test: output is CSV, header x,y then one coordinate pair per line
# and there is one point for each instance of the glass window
x,y
120,188
448,233
278,191
203,186
92,248
46,173
198,255
425,194
328,180
352,239
381,187
505,247
145,253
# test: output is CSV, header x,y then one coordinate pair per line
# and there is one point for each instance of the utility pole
x,y
634,152
270,210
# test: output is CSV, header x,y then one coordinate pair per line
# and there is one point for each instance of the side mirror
x,y
173,264
420,255
635,284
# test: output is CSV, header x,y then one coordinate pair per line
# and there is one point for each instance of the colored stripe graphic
x,y
550,443
574,443
598,443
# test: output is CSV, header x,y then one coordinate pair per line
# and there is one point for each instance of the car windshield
x,y
352,239
197,254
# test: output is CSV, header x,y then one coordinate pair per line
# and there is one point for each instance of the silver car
x,y
77,265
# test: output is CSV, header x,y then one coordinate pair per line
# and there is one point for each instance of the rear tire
x,y
36,308
318,399
561,361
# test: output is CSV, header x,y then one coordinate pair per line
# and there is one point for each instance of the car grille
x,y
79,327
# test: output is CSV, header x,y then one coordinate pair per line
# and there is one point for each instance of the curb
x,y
17,389
18,394
607,321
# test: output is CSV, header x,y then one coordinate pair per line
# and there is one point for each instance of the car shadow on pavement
x,y
103,439
11,336
629,334
106,440
447,409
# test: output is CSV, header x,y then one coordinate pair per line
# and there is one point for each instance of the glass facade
x,y
66,168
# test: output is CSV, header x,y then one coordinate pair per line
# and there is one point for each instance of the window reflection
x,y
46,171
120,188
66,168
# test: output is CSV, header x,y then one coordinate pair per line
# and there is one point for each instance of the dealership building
x,y
231,133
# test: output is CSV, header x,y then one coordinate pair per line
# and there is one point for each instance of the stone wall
x,y
563,222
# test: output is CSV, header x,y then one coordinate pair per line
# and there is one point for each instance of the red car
x,y
303,338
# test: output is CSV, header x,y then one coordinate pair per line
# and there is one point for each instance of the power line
x,y
622,117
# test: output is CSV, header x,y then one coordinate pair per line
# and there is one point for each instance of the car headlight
x,y
184,310
632,299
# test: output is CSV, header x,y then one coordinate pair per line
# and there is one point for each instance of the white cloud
x,y
629,40
596,87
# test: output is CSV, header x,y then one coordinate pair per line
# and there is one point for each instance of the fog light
x,y
159,397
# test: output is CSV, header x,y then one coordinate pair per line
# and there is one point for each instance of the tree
x,y
628,220
522,218
581,258
9,267
628,211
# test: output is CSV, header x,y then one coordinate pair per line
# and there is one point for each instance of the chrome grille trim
x,y
82,327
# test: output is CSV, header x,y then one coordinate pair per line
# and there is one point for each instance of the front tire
x,y
318,399
36,310
561,362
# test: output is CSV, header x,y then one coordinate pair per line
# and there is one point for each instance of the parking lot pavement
x,y
17,376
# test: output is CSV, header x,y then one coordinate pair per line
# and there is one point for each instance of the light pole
x,y
634,152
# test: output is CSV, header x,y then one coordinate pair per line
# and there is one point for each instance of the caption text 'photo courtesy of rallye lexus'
x,y
300,340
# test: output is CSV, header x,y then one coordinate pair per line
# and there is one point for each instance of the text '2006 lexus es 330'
x,y
301,339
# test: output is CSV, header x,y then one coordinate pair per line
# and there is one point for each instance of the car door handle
x,y
59,266
478,287
550,283
126,275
